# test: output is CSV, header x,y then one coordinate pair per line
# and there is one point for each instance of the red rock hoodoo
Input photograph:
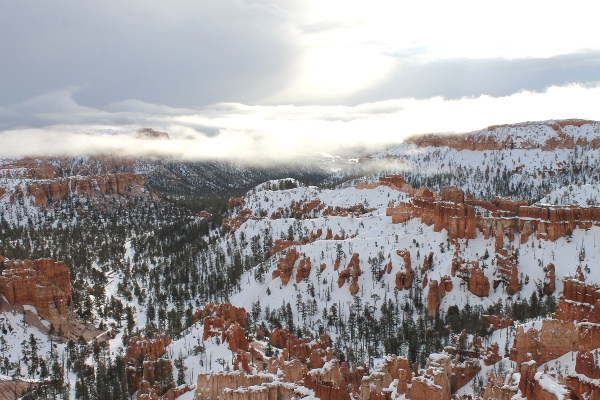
x,y
145,366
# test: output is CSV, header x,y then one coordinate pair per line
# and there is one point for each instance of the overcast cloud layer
x,y
241,77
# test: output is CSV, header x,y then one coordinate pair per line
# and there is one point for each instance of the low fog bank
x,y
54,124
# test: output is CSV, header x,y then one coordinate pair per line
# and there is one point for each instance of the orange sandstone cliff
x,y
42,283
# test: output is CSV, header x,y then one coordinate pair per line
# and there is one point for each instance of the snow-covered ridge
x,y
547,135
520,162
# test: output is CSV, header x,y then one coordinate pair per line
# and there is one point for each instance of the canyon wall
x,y
462,215
43,284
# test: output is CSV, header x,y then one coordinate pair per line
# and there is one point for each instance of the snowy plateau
x,y
450,266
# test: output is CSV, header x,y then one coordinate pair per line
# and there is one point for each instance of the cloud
x,y
181,54
457,78
189,54
278,133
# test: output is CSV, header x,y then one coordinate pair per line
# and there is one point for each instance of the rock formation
x,y
404,277
42,283
437,291
235,202
280,245
579,302
145,366
501,387
301,367
304,267
494,322
56,189
455,212
434,383
231,225
478,283
240,386
549,284
377,383
352,271
285,266
584,381
491,355
531,388
575,326
226,311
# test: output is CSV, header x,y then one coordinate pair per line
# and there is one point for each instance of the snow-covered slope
x,y
523,161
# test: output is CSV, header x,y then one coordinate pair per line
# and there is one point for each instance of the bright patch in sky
x,y
472,29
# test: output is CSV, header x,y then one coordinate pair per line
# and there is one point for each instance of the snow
x,y
187,396
550,385
373,236
579,195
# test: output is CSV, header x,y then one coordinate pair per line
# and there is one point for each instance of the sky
x,y
277,78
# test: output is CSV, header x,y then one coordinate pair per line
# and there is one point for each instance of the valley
x,y
450,266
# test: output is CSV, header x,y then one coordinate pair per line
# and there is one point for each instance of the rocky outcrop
x,y
491,354
56,189
213,386
437,291
226,311
464,372
445,211
227,323
280,245
575,326
226,331
582,387
500,387
304,267
230,225
171,394
584,382
235,202
303,367
530,384
494,322
27,168
42,283
434,382
285,266
549,284
587,364
352,271
313,353
462,216
507,271
579,302
305,207
144,363
377,384
478,283
404,277
552,223
327,382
